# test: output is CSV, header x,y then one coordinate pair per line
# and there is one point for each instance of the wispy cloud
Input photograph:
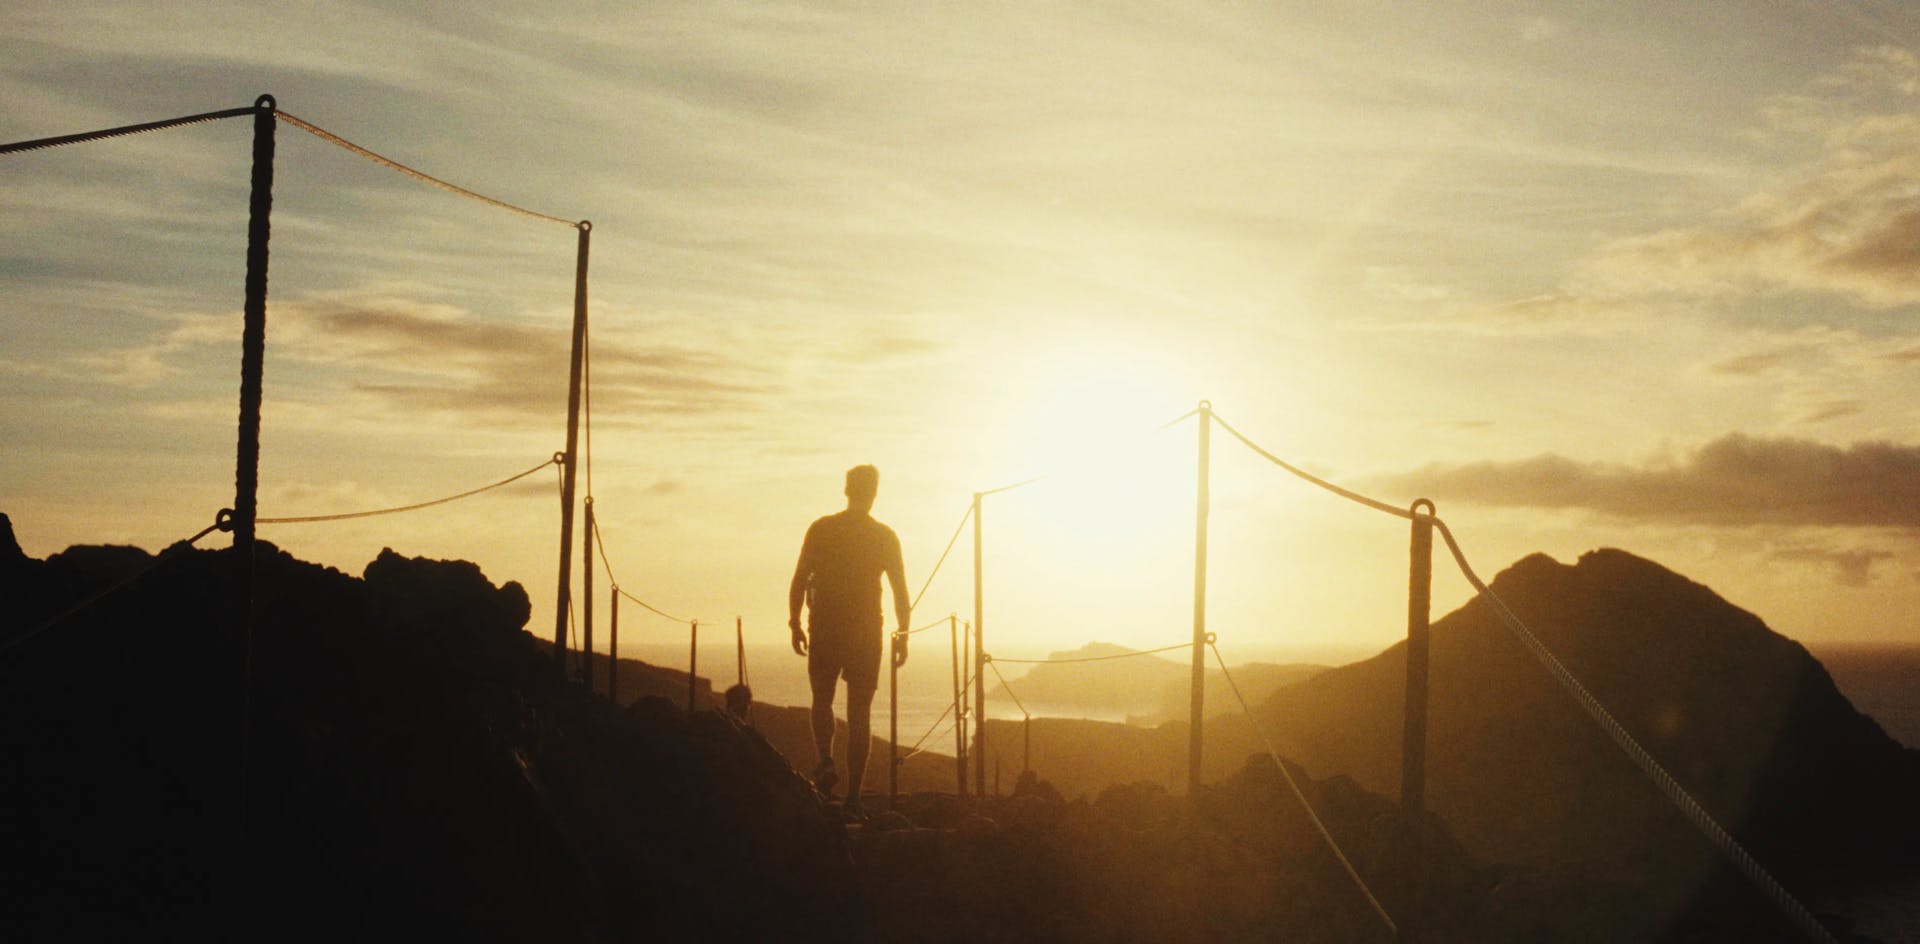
x,y
1851,567
1847,225
430,357
1736,480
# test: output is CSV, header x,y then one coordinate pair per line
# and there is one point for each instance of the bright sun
x,y
1114,512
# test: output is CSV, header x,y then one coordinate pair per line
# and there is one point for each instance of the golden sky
x,y
1610,274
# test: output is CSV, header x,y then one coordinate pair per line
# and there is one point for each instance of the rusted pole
x,y
1413,742
693,660
563,601
959,713
979,664
1199,681
586,596
613,645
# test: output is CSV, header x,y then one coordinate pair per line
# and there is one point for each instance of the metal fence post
x,y
1201,501
979,664
586,596
1413,743
613,646
563,601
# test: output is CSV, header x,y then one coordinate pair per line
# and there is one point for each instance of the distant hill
x,y
1745,718
1143,690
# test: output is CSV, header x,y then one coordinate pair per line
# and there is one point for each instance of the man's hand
x,y
799,636
900,648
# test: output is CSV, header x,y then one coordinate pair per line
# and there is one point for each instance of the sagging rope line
x,y
345,516
172,550
991,659
1298,794
1677,794
964,690
421,176
936,624
1345,493
85,136
962,526
1004,684
1023,483
917,750
600,544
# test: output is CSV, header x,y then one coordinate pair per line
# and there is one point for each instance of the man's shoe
x,y
825,777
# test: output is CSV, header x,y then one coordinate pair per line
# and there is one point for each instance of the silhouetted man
x,y
838,579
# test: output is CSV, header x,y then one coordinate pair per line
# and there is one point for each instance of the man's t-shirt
x,y
845,555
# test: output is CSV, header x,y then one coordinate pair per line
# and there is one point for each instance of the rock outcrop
x,y
405,762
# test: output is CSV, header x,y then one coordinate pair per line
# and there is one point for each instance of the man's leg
x,y
859,712
823,678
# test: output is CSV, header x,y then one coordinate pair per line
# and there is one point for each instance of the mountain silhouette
x,y
1745,718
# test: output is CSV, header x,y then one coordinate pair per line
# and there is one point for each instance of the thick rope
x,y
1347,494
172,551
991,659
600,544
1701,819
936,624
962,526
1009,688
346,516
916,749
126,130
421,176
1345,863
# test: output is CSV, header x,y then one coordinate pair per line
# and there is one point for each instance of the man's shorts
x,y
836,652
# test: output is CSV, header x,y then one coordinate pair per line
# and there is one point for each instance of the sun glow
x,y
1085,551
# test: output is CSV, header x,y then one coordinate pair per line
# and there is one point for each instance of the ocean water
x,y
1881,680
778,677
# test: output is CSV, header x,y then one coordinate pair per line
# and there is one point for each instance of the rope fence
x,y
348,516
916,748
957,529
124,130
601,546
422,176
1333,845
1017,703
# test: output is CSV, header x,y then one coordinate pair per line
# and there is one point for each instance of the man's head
x,y
863,482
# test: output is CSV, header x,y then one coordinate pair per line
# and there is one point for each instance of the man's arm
x,y
797,592
902,607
